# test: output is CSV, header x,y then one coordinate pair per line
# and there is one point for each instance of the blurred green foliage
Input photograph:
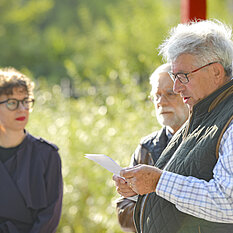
x,y
90,125
91,61
88,42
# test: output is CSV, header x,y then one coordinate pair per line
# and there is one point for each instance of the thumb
x,y
127,172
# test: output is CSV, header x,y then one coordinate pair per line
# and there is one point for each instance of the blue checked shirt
x,y
212,200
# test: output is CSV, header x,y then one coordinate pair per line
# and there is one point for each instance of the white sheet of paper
x,y
110,165
105,162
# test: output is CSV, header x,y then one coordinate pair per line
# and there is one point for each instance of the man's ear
x,y
218,72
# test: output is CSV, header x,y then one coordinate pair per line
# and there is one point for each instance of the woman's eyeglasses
x,y
13,104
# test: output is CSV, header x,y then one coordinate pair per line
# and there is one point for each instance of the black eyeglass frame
x,y
25,102
175,76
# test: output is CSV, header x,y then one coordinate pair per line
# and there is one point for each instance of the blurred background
x,y
90,60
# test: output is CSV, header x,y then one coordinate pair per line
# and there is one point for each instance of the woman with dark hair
x,y
30,168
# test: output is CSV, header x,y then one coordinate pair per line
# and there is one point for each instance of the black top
x,y
31,199
6,153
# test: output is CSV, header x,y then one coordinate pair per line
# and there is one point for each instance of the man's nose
x,y
162,100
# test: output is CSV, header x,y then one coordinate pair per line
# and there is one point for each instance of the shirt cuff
x,y
133,198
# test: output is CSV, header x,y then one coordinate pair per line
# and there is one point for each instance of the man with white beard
x,y
171,113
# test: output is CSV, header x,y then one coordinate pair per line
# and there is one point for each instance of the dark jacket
x,y
147,152
31,194
193,152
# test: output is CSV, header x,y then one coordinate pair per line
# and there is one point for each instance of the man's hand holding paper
x,y
142,179
123,187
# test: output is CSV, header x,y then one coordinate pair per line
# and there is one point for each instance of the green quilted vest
x,y
191,152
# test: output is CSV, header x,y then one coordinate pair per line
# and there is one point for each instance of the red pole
x,y
193,9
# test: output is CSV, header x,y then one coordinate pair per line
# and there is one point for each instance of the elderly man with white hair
x,y
171,113
190,188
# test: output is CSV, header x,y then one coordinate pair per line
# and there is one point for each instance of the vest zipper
x,y
199,229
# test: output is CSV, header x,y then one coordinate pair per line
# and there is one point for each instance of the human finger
x,y
132,183
126,192
128,172
118,179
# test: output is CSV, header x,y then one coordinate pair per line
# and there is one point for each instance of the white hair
x,y
161,69
208,40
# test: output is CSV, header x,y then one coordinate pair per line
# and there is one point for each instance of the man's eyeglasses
x,y
13,104
183,77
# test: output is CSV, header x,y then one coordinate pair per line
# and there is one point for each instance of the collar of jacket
x,y
211,101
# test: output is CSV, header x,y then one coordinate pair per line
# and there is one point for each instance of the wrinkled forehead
x,y
184,62
163,82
